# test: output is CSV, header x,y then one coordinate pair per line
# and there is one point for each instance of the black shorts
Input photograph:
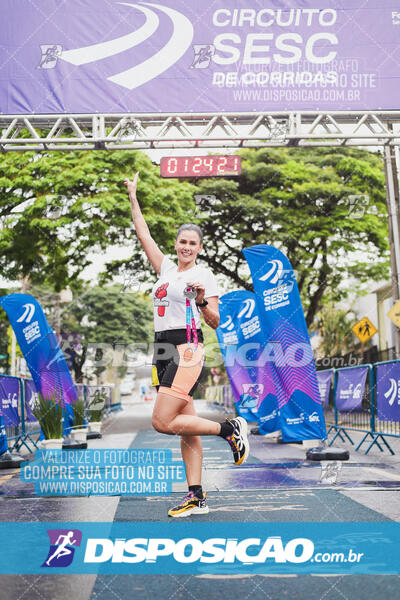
x,y
173,372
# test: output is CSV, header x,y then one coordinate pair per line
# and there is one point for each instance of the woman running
x,y
179,352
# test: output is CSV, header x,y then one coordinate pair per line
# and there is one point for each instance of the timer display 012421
x,y
200,166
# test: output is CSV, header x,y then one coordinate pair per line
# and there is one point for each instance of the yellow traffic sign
x,y
394,313
364,330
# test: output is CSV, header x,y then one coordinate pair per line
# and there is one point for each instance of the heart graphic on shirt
x,y
159,299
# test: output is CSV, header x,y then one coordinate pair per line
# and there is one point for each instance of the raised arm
x,y
151,249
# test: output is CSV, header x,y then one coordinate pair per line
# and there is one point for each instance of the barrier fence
x,y
18,396
364,399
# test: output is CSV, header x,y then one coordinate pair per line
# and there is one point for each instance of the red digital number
x,y
172,165
209,163
196,165
222,161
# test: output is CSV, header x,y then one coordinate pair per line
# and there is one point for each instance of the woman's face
x,y
188,246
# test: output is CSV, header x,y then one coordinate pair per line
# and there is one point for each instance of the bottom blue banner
x,y
176,547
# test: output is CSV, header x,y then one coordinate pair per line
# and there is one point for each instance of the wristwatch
x,y
203,304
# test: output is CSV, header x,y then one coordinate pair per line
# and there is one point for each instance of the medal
x,y
190,293
188,354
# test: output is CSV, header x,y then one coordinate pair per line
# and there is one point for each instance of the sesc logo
x,y
27,314
228,325
393,392
62,547
275,272
248,308
135,76
191,550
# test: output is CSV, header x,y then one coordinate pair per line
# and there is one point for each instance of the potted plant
x,y
49,413
79,430
96,407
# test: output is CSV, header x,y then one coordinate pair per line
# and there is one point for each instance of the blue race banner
x,y
41,350
228,338
324,379
9,397
3,436
287,344
198,548
388,391
250,376
350,388
30,399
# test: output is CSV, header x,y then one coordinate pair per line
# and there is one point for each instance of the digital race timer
x,y
200,166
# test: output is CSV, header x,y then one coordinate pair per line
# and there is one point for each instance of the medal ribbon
x,y
190,325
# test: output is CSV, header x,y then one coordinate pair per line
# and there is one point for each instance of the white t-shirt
x,y
169,301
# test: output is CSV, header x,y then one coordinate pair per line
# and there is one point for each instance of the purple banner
x,y
9,398
388,391
94,56
350,388
324,379
242,342
31,396
287,343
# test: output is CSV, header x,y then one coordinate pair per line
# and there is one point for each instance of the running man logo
x,y
150,68
203,54
364,330
395,17
252,393
62,547
50,55
28,313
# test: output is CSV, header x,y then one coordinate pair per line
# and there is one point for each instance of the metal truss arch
x,y
142,131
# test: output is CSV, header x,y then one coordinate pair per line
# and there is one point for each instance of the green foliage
x,y
107,316
99,399
55,207
49,413
297,199
4,325
103,315
79,413
335,330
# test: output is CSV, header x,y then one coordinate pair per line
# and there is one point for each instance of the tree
x,y
105,318
4,325
55,207
301,201
334,327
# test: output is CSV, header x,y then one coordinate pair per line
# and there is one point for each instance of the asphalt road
x,y
277,484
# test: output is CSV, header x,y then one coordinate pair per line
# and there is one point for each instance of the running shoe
x,y
190,505
238,440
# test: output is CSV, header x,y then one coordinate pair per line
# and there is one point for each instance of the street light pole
x,y
391,155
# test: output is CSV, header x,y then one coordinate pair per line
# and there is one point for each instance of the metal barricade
x,y
327,396
362,418
18,396
385,405
11,407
